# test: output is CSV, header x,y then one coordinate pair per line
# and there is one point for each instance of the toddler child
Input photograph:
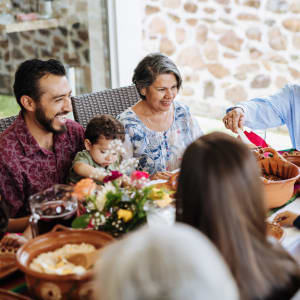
x,y
98,156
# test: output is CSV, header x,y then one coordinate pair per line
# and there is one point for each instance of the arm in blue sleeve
x,y
268,112
297,222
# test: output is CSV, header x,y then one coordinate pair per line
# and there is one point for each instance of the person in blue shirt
x,y
282,108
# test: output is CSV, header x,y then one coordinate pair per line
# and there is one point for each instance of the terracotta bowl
x,y
293,157
51,286
278,192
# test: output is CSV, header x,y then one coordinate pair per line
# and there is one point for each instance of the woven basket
x,y
279,192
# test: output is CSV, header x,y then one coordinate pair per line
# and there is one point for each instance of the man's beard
x,y
46,122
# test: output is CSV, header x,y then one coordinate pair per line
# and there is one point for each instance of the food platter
x,y
169,184
274,230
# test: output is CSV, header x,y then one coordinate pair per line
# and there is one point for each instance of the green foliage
x,y
112,199
81,222
8,106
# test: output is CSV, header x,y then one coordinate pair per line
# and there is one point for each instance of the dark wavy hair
x,y
104,125
220,193
28,75
150,67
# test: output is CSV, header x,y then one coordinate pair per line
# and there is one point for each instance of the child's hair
x,y
104,125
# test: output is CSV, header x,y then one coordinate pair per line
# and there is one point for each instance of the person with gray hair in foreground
x,y
160,263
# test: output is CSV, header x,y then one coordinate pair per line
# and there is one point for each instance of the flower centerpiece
x,y
121,203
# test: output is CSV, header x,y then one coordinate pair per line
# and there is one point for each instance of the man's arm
x,y
11,189
13,196
261,113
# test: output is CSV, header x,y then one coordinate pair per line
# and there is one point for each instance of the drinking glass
x,y
55,205
159,215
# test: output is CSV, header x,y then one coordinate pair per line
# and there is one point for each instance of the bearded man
x,y
37,150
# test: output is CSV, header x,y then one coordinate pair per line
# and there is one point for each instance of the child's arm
x,y
88,171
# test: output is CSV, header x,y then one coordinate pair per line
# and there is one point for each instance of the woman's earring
x,y
143,92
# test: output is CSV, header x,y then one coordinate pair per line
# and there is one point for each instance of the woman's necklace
x,y
161,123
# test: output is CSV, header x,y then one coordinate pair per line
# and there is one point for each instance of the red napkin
x,y
255,139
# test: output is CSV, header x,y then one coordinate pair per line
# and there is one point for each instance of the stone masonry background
x,y
227,50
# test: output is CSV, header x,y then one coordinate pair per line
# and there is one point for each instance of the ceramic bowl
x,y
278,192
51,286
293,157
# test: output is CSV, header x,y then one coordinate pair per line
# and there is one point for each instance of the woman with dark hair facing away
x,y
158,128
220,193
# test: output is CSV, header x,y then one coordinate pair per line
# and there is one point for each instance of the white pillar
x,y
125,37
98,45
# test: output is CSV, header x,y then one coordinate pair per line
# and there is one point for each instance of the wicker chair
x,y
6,122
111,101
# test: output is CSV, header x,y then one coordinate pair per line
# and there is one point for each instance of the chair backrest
x,y
6,122
110,101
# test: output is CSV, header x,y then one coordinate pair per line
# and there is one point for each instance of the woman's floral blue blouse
x,y
159,151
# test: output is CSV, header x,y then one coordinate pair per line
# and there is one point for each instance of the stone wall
x,y
68,43
226,50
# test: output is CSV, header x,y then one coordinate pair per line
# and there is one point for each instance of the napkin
x,y
251,137
255,139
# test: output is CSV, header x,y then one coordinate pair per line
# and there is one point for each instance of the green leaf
x,y
112,199
81,222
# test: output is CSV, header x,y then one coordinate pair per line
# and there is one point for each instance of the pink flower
x,y
136,175
81,210
90,225
114,175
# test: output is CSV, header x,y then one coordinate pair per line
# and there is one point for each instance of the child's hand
x,y
13,240
286,218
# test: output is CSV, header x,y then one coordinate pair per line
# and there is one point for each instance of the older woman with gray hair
x,y
160,263
158,128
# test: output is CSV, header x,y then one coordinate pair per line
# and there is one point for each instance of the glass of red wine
x,y
55,205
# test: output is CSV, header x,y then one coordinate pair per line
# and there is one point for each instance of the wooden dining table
x,y
291,242
291,236
13,281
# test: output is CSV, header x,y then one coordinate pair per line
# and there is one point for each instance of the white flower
x,y
102,220
116,146
90,205
128,164
101,195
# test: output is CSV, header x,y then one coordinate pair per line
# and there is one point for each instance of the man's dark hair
x,y
30,72
104,125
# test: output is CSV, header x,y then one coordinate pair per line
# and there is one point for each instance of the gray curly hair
x,y
163,263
